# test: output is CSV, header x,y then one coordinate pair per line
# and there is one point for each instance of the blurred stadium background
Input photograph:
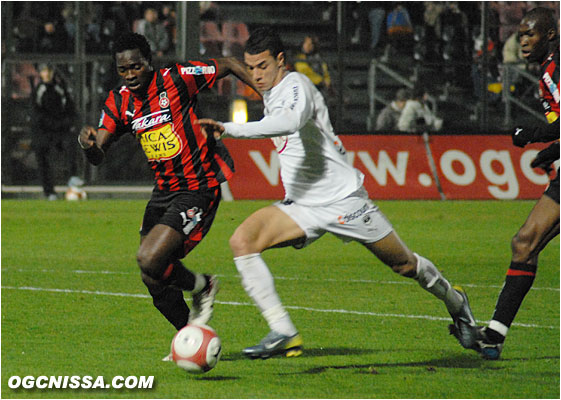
x,y
440,54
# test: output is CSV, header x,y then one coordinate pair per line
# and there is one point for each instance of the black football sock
x,y
518,281
177,275
169,301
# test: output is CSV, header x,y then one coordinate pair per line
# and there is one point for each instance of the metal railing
x,y
512,73
376,69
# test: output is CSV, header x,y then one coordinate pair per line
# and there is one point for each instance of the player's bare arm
x,y
94,143
230,65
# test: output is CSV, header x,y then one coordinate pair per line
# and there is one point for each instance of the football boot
x,y
464,327
485,347
275,344
203,302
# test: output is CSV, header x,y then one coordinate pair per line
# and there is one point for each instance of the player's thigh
x,y
391,250
158,246
267,227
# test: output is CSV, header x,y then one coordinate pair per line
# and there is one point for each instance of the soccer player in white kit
x,y
323,193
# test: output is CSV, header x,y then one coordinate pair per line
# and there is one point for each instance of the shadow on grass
x,y
465,361
218,378
309,352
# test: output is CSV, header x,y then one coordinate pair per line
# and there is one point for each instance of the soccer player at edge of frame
x,y
539,39
157,107
323,193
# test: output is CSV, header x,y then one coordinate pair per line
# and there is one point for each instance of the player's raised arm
x,y
231,65
94,143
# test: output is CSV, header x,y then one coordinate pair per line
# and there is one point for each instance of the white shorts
x,y
353,218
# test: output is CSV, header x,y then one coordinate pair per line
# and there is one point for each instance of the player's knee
x,y
149,263
240,243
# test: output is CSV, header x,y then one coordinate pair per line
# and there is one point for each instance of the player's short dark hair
x,y
131,41
263,39
544,17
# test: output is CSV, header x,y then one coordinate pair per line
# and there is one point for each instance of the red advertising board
x,y
400,167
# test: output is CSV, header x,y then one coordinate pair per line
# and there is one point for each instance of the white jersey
x,y
314,167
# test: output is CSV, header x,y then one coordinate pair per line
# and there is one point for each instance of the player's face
x,y
134,69
534,43
267,71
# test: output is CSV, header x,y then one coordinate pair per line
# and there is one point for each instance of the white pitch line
x,y
280,278
234,303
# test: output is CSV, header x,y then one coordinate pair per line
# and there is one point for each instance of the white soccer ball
x,y
196,348
75,194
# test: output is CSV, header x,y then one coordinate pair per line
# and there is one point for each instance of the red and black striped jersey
x,y
549,87
178,152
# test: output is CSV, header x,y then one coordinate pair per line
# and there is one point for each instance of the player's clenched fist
x,y
87,137
209,125
522,136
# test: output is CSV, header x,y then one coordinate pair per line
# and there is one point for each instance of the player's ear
x,y
280,59
551,34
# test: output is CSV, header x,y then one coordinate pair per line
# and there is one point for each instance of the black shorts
x,y
189,213
552,190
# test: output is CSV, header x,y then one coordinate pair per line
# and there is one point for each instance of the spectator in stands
x,y
433,9
169,20
452,29
210,34
235,34
512,51
53,120
494,88
399,32
310,63
53,38
417,115
357,21
154,31
512,55
510,14
389,116
376,17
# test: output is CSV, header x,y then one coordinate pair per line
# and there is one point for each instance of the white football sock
x,y
498,327
430,279
200,283
260,286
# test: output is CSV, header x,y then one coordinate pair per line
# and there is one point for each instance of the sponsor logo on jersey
x,y
148,121
100,124
354,215
295,93
551,86
160,144
198,70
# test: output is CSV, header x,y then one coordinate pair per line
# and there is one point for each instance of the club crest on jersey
x,y
280,143
164,101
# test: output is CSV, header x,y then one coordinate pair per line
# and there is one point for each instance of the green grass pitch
x,y
73,304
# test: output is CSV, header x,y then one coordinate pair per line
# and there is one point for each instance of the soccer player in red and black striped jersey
x,y
158,108
540,43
